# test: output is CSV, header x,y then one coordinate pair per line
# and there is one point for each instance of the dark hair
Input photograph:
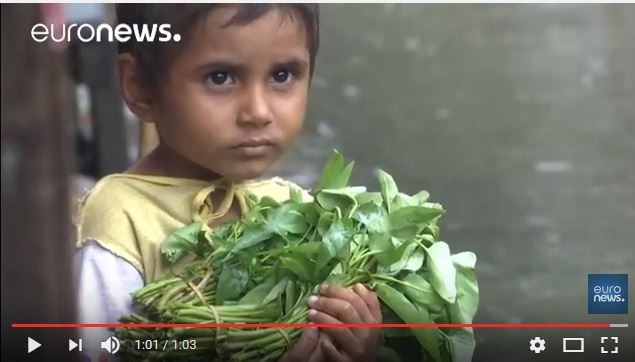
x,y
154,58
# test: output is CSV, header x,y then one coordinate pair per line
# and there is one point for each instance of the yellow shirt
x,y
132,215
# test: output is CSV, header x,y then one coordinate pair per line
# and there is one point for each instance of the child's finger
x,y
308,339
331,352
338,308
318,353
371,300
342,336
304,346
359,304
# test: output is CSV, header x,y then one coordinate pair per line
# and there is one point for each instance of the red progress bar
x,y
309,325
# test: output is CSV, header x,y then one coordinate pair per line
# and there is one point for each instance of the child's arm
x,y
354,306
104,282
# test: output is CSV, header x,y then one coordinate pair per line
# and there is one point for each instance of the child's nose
x,y
255,109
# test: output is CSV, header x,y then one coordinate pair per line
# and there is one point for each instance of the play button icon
x,y
32,344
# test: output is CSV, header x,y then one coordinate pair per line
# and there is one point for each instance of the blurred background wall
x,y
519,119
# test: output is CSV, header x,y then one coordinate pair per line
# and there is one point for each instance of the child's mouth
x,y
254,148
254,151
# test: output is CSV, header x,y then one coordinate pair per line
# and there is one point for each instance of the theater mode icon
x,y
573,345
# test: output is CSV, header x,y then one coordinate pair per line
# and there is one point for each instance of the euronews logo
x,y
103,32
608,293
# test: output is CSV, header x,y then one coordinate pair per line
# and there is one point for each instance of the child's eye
x,y
282,76
219,78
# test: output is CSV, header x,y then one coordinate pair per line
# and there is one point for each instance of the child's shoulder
x,y
130,215
108,193
129,192
104,192
277,188
107,199
102,216
132,188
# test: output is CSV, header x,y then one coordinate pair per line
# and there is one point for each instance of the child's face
x,y
235,98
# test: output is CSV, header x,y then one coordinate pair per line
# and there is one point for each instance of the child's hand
x,y
306,349
341,305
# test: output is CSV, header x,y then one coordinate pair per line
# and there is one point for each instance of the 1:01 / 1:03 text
x,y
162,345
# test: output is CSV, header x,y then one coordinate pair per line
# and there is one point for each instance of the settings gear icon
x,y
537,345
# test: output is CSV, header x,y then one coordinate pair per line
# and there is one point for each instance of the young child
x,y
227,100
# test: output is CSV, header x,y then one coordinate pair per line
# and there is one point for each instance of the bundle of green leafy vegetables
x,y
263,267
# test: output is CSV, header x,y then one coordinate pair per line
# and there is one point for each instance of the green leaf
x,y
373,216
285,219
433,205
295,194
231,282
290,296
308,249
433,230
421,197
342,198
413,216
338,236
405,233
299,265
380,242
369,197
422,294
181,241
259,292
310,212
324,257
466,259
466,305
324,264
415,261
324,222
439,313
442,271
387,249
402,200
427,337
412,259
335,174
253,235
427,239
388,188
276,290
267,202
462,344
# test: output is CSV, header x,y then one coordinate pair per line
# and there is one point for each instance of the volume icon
x,y
111,345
